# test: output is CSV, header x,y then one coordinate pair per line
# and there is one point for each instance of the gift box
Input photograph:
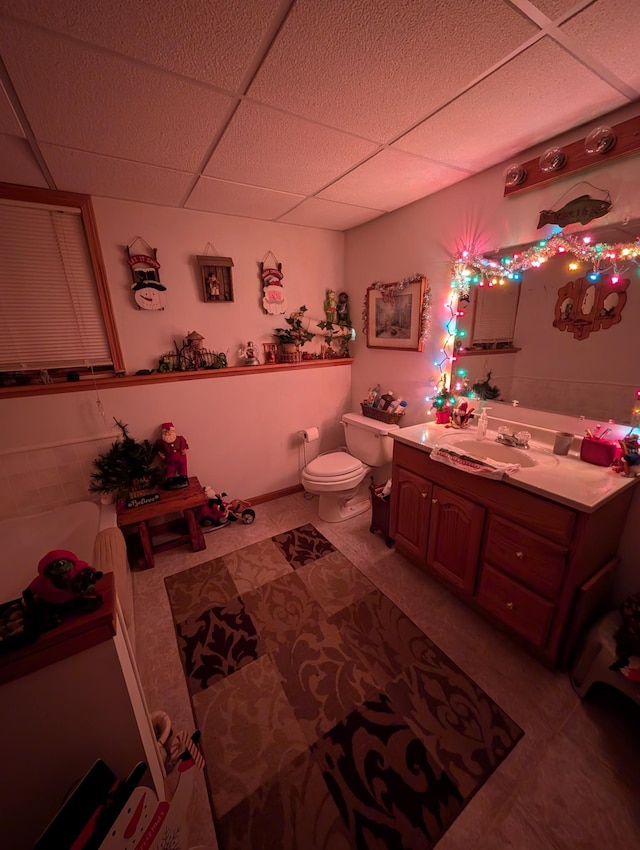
x,y
600,452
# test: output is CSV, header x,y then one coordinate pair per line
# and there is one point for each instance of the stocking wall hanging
x,y
146,287
273,299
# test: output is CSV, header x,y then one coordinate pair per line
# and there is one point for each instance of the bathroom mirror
x,y
581,372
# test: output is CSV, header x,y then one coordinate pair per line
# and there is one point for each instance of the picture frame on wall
x,y
395,315
216,278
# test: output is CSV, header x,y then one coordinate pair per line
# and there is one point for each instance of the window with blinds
x,y
51,306
495,314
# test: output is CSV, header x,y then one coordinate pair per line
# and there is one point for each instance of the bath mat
x,y
328,718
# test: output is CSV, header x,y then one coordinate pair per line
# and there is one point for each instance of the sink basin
x,y
489,450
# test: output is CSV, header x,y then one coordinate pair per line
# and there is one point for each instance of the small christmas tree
x,y
484,389
127,466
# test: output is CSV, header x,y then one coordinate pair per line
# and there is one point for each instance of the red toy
x,y
62,579
218,513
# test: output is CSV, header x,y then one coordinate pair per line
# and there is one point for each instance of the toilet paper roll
x,y
309,435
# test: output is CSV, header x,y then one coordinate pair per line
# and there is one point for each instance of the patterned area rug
x,y
328,719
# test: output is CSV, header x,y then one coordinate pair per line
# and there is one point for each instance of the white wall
x,y
312,262
241,430
425,236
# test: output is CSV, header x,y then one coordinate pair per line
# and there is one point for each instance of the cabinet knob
x,y
434,501
520,555
423,495
510,606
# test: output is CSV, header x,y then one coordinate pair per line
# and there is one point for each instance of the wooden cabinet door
x,y
455,535
410,508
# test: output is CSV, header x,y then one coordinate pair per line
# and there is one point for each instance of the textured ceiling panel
x,y
315,212
518,95
279,151
17,163
212,42
8,120
389,180
556,8
233,199
94,102
91,174
143,100
373,68
604,29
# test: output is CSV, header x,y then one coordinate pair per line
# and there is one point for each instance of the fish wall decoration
x,y
583,209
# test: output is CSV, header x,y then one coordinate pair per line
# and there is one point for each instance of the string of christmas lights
x,y
470,268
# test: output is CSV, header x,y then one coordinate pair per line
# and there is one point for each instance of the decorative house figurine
x,y
172,450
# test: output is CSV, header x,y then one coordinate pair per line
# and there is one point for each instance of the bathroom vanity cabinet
x,y
539,569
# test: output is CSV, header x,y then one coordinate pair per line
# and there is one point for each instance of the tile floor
x,y
573,781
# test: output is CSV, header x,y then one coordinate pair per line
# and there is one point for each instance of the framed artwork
x,y
217,281
396,314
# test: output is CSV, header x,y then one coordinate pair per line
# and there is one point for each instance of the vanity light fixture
x,y
515,175
553,159
599,141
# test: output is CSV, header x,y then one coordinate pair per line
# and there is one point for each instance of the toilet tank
x,y
368,439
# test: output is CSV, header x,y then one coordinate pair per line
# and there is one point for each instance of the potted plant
x,y
294,336
127,466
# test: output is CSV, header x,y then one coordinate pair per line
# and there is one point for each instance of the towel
x,y
476,466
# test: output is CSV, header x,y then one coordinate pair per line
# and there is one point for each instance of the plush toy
x,y
64,580
217,512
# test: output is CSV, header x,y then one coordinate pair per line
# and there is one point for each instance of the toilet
x,y
341,479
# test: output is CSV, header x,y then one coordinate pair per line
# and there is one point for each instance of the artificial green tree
x,y
127,465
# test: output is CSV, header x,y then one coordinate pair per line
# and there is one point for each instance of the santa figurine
x,y
172,449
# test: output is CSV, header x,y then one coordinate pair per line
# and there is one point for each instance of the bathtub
x,y
25,540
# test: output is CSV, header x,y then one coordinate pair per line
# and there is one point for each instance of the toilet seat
x,y
333,464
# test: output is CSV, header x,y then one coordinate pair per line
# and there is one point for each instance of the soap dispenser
x,y
483,424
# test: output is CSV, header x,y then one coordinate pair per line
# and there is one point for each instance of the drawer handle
x,y
520,555
434,501
510,606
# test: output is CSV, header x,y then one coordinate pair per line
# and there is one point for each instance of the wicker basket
x,y
381,415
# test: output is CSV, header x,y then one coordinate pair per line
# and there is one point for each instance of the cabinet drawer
x,y
528,557
515,605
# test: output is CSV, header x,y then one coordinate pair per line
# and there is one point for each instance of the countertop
x,y
563,479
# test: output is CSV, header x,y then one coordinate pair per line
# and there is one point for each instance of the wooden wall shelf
x,y
476,352
165,378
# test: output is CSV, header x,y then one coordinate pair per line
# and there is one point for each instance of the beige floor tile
x,y
572,782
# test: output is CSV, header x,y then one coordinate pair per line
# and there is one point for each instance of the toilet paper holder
x,y
309,435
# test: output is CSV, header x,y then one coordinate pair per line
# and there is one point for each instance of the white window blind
x,y
50,314
495,313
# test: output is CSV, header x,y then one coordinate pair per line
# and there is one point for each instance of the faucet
x,y
519,440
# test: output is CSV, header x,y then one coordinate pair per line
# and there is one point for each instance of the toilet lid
x,y
332,464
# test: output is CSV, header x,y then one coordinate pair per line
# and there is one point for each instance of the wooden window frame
x,y
56,198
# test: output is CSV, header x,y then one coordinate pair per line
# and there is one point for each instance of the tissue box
x,y
600,452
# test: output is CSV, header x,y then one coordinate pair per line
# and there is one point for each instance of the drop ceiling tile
x,y
77,171
214,43
609,30
267,148
513,109
235,199
88,100
374,68
315,212
553,8
390,180
18,164
8,119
